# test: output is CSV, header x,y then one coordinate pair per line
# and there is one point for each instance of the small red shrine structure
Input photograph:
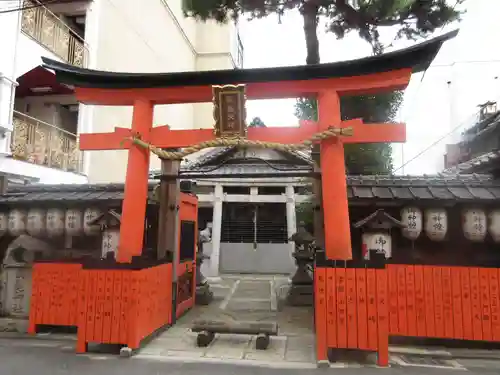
x,y
328,82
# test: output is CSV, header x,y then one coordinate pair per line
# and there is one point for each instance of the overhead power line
x,y
36,4
436,142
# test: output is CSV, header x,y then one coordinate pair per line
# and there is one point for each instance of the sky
x,y
443,100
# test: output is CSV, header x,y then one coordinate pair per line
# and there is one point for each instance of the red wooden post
x,y
136,186
320,313
333,180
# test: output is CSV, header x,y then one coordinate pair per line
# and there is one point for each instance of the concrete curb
x,y
472,354
241,362
24,336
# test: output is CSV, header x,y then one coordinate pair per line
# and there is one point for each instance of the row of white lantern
x,y
52,222
475,223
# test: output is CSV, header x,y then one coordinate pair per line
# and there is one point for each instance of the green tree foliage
x,y
414,18
256,123
373,158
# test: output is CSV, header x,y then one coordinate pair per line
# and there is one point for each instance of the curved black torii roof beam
x,y
418,58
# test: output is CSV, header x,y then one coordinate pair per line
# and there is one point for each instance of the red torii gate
x,y
337,242
328,81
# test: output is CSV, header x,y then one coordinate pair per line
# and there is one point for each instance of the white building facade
x,y
40,119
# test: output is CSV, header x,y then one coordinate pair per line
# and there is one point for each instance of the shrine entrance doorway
x,y
254,239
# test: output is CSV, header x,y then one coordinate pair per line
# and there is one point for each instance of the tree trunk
x,y
310,16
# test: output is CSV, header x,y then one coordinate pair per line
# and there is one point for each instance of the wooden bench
x,y
207,329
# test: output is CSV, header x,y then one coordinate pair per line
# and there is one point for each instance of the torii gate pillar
x,y
337,233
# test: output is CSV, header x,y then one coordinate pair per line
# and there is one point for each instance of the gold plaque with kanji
x,y
229,111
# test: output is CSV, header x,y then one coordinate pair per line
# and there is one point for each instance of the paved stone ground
x,y
438,357
47,361
242,298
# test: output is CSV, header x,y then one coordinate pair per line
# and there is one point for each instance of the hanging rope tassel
x,y
227,142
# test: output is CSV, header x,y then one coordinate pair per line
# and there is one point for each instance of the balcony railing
x,y
41,143
50,31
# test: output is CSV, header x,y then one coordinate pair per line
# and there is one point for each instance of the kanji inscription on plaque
x,y
229,111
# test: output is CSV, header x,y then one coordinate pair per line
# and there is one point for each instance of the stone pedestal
x,y
302,285
203,293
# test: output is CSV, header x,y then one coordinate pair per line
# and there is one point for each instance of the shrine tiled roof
x,y
236,170
488,160
65,194
195,162
417,58
468,188
424,188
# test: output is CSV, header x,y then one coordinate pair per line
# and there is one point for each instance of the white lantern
x,y
36,222
74,222
55,222
379,242
89,215
411,217
110,240
4,223
494,225
474,224
17,222
436,223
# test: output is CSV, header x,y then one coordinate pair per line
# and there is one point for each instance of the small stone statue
x,y
203,293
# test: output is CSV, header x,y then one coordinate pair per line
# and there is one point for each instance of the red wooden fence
x,y
107,306
54,295
359,308
444,302
351,311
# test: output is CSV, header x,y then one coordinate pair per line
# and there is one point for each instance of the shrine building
x,y
253,218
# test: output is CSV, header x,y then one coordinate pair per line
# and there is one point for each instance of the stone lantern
x,y
301,291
